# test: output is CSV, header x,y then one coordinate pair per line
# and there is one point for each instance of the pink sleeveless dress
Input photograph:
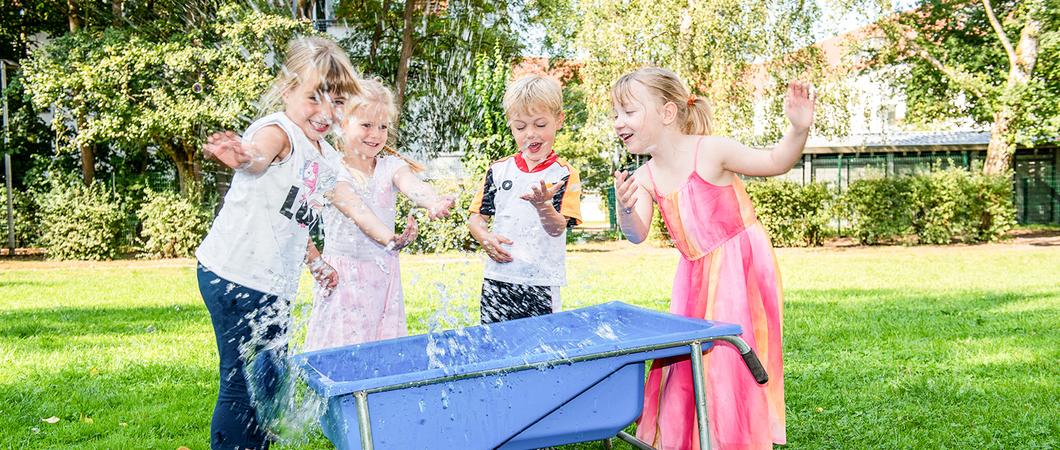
x,y
728,272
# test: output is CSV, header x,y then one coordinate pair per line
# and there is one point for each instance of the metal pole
x,y
10,205
632,440
363,423
3,82
7,166
701,396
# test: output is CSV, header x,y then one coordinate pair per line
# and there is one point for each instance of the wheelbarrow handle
x,y
749,358
759,372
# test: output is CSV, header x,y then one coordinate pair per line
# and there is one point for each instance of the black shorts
x,y
503,301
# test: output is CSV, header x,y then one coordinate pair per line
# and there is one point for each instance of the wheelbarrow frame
x,y
696,349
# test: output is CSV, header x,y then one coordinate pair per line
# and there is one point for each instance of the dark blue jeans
x,y
251,330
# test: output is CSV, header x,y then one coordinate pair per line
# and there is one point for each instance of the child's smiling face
x,y
312,109
637,120
366,130
534,131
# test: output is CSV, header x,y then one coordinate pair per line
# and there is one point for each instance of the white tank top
x,y
259,237
342,237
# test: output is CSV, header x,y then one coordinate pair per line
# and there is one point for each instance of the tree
x,y
487,136
739,54
118,86
995,62
427,49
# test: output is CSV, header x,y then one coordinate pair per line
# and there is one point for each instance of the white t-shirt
x,y
342,237
538,259
259,237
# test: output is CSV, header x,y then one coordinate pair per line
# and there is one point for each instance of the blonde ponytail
x,y
700,118
415,166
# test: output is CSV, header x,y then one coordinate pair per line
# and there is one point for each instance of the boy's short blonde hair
x,y
533,92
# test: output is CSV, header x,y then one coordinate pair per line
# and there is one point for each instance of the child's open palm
x,y
441,207
799,104
412,230
541,197
227,148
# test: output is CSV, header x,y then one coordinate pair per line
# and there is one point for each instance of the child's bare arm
x,y
635,207
422,194
350,204
254,157
541,197
736,157
490,242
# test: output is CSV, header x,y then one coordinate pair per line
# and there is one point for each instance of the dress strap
x,y
651,177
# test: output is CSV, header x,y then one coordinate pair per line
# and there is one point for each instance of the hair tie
x,y
691,100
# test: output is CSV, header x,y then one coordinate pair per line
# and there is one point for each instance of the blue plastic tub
x,y
568,377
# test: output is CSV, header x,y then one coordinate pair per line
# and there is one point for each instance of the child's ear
x,y
559,123
669,113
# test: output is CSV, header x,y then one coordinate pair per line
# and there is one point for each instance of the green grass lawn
x,y
920,347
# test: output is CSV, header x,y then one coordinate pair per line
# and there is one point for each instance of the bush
x,y
993,209
957,205
940,205
26,218
793,215
878,210
172,225
445,234
936,208
80,222
658,234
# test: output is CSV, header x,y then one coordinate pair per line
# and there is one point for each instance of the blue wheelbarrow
x,y
568,377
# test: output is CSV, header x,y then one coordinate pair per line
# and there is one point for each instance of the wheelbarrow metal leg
x,y
701,395
363,423
632,440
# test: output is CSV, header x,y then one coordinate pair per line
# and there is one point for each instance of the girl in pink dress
x,y
367,304
727,272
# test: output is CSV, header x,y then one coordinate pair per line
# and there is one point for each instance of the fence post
x,y
611,219
10,203
7,164
839,190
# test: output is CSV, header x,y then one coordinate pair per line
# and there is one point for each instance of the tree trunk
x,y
189,167
72,15
88,153
377,35
116,11
406,54
88,163
305,9
999,152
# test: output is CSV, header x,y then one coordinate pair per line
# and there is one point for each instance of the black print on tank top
x,y
304,216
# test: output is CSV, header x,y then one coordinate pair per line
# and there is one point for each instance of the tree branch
x,y
965,80
1012,59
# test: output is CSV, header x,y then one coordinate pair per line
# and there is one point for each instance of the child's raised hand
x,y
625,187
228,149
541,197
441,208
492,245
407,236
800,104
